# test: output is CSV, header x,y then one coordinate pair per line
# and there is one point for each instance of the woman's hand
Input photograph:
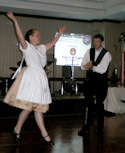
x,y
62,29
11,16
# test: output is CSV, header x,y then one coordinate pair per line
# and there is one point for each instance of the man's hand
x,y
88,65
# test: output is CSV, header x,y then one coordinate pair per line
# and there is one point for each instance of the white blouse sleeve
x,y
24,50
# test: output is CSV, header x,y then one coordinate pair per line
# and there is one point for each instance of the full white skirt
x,y
34,86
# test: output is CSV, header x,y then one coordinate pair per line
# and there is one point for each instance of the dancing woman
x,y
30,91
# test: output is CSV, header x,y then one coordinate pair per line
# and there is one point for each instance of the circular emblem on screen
x,y
86,39
72,51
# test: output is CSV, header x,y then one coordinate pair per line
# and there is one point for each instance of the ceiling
x,y
69,9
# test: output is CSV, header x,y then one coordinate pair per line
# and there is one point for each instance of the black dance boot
x,y
51,143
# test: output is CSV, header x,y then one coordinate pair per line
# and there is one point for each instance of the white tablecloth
x,y
113,103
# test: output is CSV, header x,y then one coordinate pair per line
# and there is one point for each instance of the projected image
x,y
70,49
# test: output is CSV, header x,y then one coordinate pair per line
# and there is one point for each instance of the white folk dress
x,y
30,91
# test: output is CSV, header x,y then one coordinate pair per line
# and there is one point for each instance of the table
x,y
113,103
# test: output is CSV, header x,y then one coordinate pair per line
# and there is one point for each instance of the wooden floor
x,y
63,130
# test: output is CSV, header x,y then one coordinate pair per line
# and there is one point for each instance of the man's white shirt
x,y
102,66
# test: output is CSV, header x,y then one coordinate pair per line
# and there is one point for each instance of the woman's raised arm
x,y
53,42
18,31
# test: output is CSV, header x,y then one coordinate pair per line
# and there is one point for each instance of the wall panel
x,y
10,54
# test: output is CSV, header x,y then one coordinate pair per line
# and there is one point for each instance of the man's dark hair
x,y
99,36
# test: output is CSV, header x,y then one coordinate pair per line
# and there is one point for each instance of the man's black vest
x,y
90,73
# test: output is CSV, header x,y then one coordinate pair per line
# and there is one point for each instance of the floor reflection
x,y
63,130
